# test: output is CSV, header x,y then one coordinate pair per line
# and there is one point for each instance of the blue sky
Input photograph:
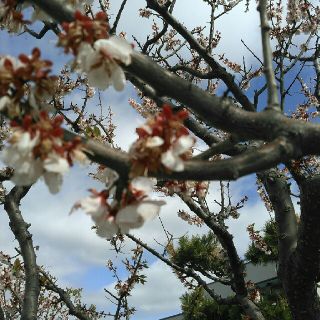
x,y
68,247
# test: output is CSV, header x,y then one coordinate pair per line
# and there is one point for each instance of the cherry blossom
x,y
96,54
19,155
36,149
163,143
83,30
28,78
171,159
101,63
197,189
10,18
132,212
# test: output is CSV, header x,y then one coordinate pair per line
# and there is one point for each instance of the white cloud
x,y
158,297
161,291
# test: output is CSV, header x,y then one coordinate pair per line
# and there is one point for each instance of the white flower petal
x,y
134,216
183,144
28,173
143,184
149,209
86,57
94,207
107,176
99,78
79,156
172,161
106,228
5,102
53,180
116,48
55,163
155,141
129,218
118,78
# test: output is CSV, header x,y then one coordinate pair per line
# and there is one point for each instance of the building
x,y
264,276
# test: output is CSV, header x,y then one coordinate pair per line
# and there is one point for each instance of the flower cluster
x,y
97,55
191,219
163,142
257,240
10,18
134,209
197,189
25,82
37,149
263,195
254,293
83,29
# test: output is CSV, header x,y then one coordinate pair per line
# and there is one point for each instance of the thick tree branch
x,y
55,9
221,112
278,190
20,229
251,161
215,111
217,148
303,268
248,162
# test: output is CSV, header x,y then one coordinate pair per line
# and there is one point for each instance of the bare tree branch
x,y
273,100
216,67
20,229
278,190
73,310
116,22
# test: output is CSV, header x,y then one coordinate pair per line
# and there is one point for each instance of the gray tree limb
x,y
278,190
20,229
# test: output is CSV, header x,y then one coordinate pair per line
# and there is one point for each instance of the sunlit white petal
x,y
143,184
155,141
172,161
53,180
55,163
183,144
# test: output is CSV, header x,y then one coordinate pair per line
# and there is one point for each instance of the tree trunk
x,y
302,269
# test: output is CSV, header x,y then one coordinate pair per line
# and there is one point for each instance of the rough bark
x,y
304,263
20,229
299,256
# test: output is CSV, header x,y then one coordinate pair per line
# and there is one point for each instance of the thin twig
x,y
116,22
